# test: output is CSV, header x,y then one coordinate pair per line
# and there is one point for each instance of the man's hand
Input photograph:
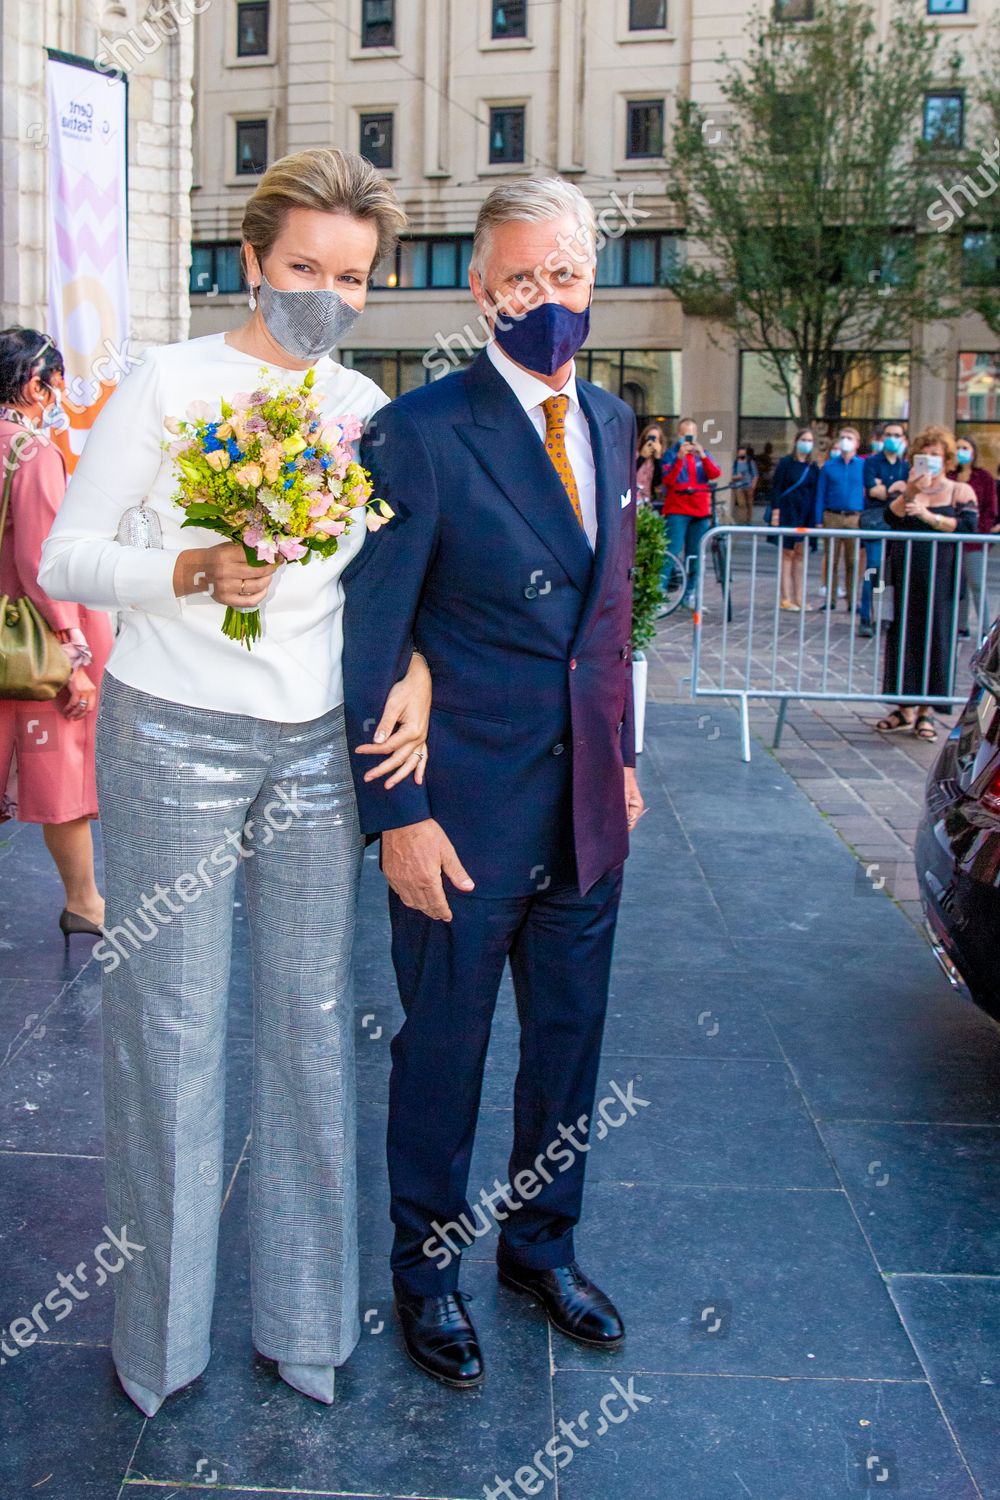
x,y
414,859
634,805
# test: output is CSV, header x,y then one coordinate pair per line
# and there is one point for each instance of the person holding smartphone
x,y
688,475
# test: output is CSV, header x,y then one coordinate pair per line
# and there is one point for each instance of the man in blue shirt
x,y
886,474
840,499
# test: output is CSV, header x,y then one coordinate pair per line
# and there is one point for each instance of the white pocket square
x,y
626,499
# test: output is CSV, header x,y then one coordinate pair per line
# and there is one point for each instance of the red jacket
x,y
684,494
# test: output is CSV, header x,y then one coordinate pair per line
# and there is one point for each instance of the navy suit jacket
x,y
486,570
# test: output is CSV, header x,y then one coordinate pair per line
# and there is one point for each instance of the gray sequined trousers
x,y
184,793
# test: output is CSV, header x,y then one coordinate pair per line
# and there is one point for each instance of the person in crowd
x,y
47,748
924,588
203,747
649,465
886,472
794,503
765,471
746,477
876,444
975,559
840,499
532,782
688,475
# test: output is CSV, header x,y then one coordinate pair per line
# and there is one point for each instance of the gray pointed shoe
x,y
312,1380
147,1401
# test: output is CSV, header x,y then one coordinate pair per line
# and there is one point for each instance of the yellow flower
x,y
294,444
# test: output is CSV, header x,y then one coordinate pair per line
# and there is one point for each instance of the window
x,y
251,29
644,130
510,18
947,7
376,139
378,23
507,134
981,258
794,10
645,259
215,268
944,120
789,114
647,15
421,263
859,387
251,147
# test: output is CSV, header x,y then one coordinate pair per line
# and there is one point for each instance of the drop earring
x,y
253,299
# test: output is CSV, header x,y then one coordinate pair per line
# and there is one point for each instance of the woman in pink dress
x,y
47,749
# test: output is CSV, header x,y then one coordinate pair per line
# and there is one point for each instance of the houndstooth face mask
x,y
307,323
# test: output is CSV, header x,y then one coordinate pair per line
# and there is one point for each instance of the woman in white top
x,y
208,756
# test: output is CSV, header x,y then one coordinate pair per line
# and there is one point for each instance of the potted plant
x,y
647,596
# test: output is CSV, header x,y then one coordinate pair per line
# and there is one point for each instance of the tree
x,y
982,259
805,203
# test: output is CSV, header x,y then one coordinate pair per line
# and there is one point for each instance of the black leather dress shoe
x,y
440,1338
572,1302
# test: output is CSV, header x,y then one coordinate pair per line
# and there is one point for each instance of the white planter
x,y
640,674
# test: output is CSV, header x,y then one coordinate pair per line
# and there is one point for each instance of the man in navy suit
x,y
509,566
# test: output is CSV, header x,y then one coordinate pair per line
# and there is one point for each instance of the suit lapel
x,y
504,440
604,436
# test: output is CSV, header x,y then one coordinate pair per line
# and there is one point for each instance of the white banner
x,y
87,237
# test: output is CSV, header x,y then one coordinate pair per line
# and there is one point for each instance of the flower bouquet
x,y
269,472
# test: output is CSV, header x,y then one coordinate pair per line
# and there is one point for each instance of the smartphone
x,y
689,437
920,466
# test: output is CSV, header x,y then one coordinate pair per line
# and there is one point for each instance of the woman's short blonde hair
x,y
936,434
333,181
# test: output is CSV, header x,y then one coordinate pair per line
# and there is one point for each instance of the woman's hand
x,y
401,733
223,572
916,506
81,696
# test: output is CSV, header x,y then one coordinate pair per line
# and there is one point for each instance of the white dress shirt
x,y
531,392
174,648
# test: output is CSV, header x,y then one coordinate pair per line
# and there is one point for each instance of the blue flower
x,y
288,483
325,462
309,453
233,448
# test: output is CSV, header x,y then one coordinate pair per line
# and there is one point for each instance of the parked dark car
x,y
958,844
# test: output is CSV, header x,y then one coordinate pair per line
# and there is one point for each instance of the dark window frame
x,y
367,119
635,25
511,111
780,15
257,123
521,8
632,108
214,248
264,7
369,25
932,142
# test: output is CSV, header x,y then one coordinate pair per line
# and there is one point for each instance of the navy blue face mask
x,y
545,338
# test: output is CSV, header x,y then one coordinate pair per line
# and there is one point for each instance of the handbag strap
x,y
11,463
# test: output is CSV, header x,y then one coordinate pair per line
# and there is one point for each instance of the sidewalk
x,y
798,1221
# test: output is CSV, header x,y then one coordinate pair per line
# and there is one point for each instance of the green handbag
x,y
33,664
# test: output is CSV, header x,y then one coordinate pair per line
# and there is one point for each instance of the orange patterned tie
x,y
555,446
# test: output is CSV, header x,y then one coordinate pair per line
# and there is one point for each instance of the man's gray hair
x,y
536,200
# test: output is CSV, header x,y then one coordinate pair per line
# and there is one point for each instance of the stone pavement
x,y
798,1219
869,786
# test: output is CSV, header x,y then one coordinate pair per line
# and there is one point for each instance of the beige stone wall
x,y
158,58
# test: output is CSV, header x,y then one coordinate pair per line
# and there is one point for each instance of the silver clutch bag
x,y
139,527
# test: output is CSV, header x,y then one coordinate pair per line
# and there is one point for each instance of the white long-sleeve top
x,y
174,647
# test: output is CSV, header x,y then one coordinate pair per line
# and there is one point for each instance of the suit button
x,y
531,592
572,665
558,749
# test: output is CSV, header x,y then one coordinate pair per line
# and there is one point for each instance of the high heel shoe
x,y
312,1380
147,1401
71,922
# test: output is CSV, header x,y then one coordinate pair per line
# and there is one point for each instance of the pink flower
x,y
198,411
172,424
249,475
352,428
240,401
291,548
320,505
329,527
264,548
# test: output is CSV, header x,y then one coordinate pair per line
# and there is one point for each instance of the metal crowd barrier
x,y
747,647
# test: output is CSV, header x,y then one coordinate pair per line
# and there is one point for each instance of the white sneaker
x,y
822,591
841,592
